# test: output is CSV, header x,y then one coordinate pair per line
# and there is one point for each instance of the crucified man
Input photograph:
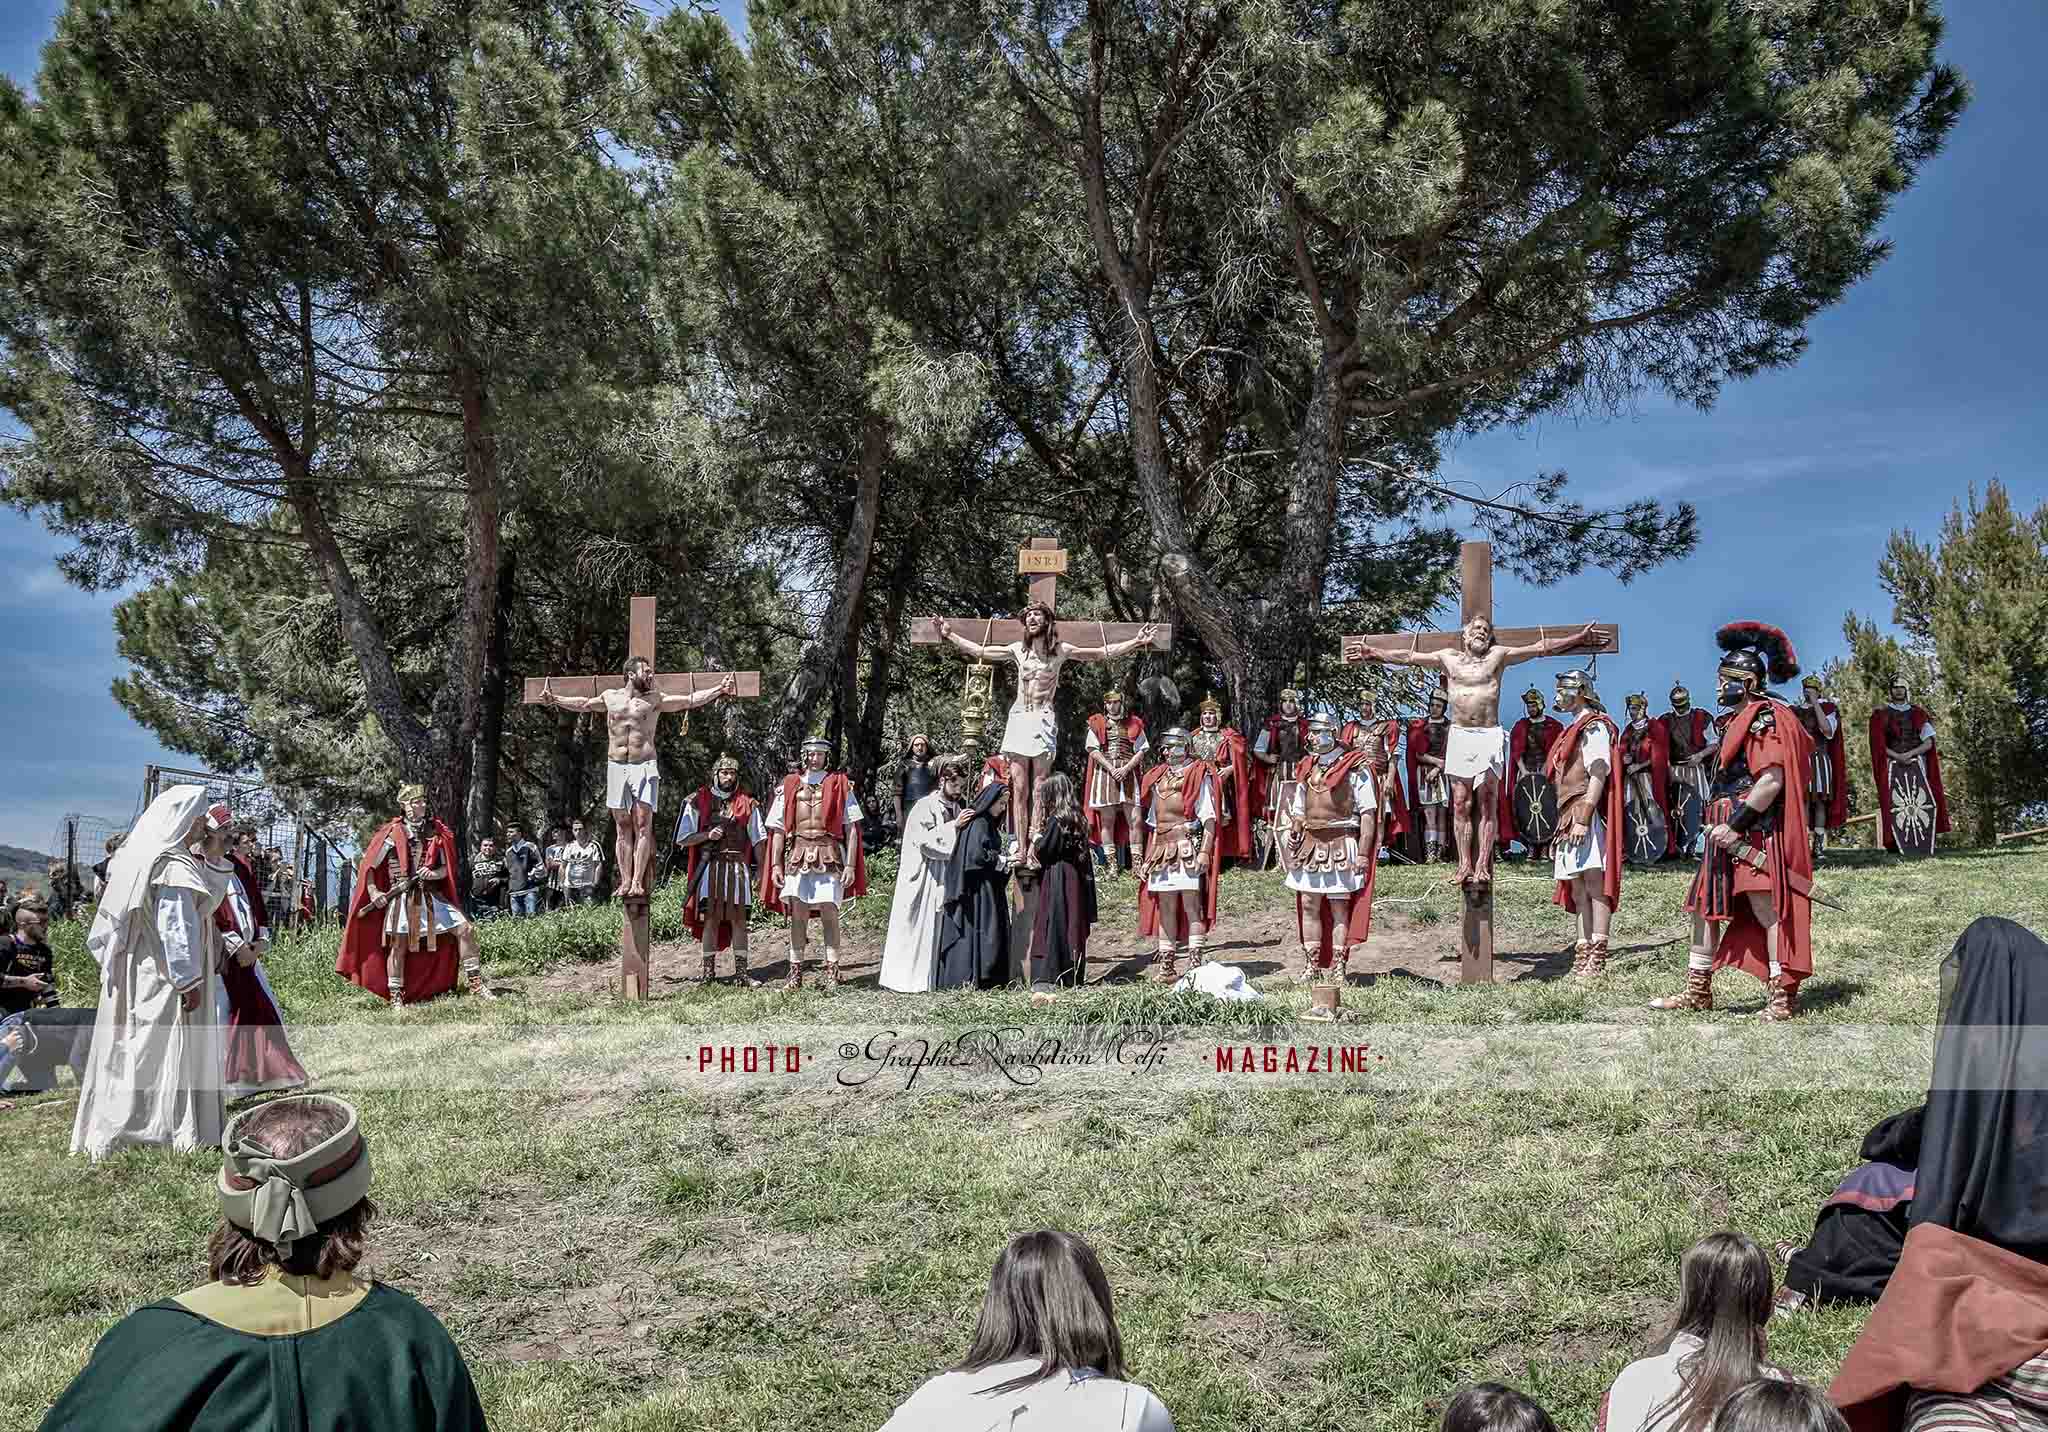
x,y
632,783
1476,754
1030,739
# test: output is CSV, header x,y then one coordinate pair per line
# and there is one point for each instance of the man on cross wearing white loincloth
x,y
632,780
1476,754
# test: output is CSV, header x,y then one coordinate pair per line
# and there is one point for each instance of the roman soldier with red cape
x,y
406,947
1327,845
1279,748
817,861
1222,750
1758,859
1903,733
1529,746
258,1058
1827,792
1648,743
1428,792
1591,739
1116,738
1379,738
1179,797
721,835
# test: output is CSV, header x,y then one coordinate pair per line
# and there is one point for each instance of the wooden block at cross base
x,y
1475,940
636,938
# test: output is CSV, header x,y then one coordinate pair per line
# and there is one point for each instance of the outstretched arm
x,y
1357,649
550,697
1114,649
973,648
1587,635
690,701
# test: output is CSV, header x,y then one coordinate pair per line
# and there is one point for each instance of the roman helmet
x,y
1813,689
409,792
1897,692
1577,687
1112,697
1438,704
726,773
1175,739
1322,731
1210,706
1533,700
1290,697
1638,706
1755,655
1681,699
818,744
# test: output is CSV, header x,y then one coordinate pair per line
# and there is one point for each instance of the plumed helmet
x,y
1759,650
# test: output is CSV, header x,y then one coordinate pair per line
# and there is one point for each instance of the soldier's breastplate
x,y
1899,734
1205,744
1173,798
1326,802
1116,744
1287,745
810,810
1439,737
733,844
1681,740
1574,780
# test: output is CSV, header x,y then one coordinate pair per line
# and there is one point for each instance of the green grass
x,y
799,1256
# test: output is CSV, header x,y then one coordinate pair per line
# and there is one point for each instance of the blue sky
x,y
1924,381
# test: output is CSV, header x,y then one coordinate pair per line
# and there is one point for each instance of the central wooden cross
x,y
636,934
1045,563
1475,599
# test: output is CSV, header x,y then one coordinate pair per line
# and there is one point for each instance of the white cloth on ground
x,y
1224,982
1471,751
1079,1400
912,945
631,783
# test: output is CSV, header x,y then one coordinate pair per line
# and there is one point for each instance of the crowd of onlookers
x,y
518,877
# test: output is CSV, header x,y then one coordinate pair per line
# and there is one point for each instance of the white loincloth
x,y
1585,858
631,783
1030,733
1472,751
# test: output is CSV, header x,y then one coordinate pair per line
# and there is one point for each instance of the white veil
x,y
162,828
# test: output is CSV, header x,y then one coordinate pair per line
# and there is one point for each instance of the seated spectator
x,y
1046,1355
41,1035
1861,1229
1778,1404
487,878
1960,1337
286,1335
523,872
1492,1407
1714,1345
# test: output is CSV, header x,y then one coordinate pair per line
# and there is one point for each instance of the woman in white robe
x,y
929,831
155,1073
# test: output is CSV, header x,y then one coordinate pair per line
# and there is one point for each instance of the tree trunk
x,y
864,752
490,734
565,765
824,655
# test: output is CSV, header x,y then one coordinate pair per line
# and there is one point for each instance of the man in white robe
x,y
929,832
157,1065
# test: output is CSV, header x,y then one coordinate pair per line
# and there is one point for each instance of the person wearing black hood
x,y
1862,1227
1960,1337
974,932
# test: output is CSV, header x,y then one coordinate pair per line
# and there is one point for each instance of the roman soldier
x,y
1221,749
1690,741
1333,846
1646,765
1902,733
721,833
1428,792
816,862
1827,798
405,927
1379,737
1587,859
1752,900
1277,751
1116,751
1528,755
1177,901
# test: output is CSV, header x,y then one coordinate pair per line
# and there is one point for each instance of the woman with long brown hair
x,y
1714,1345
1066,891
1046,1355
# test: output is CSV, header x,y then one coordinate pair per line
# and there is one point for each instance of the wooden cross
x,y
636,934
1044,562
1475,599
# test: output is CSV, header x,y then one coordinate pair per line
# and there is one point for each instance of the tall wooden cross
x,y
1044,562
1475,599
636,935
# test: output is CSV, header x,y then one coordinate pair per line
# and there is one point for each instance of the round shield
x,y
1912,810
1535,810
1644,840
1262,845
1688,810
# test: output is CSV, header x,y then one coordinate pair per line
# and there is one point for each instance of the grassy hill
x,y
621,1239
20,868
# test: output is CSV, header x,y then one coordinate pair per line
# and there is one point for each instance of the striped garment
x,y
2017,1402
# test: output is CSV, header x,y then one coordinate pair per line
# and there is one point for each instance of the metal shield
x,y
1535,809
1912,810
1644,840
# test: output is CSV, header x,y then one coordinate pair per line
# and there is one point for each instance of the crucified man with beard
x,y
1476,754
632,785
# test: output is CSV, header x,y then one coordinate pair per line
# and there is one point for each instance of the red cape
x,y
1696,718
253,1043
1786,746
1134,727
1957,1313
1659,741
1612,811
1263,774
1393,809
1882,777
1148,903
1230,764
430,969
1838,804
693,917
1518,742
1358,908
837,788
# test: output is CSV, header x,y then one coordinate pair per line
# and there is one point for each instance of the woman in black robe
x,y
974,928
1066,893
1862,1228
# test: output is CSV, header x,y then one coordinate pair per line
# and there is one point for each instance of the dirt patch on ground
x,y
1265,942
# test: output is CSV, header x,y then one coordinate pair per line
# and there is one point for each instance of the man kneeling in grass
x,y
286,1335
